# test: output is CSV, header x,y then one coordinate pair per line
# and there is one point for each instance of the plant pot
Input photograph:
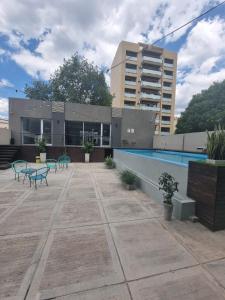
x,y
215,162
87,157
110,167
129,187
168,211
43,157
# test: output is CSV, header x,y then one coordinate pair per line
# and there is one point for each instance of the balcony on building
x,y
130,80
153,57
131,68
167,98
166,109
130,104
165,130
146,105
150,94
168,74
167,86
131,55
150,69
168,63
152,82
165,120
130,93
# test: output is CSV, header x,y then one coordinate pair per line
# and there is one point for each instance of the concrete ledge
x,y
184,207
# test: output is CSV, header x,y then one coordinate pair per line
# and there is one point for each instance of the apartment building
x,y
146,79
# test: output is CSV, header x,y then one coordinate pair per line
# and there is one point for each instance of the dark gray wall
x,y
116,132
58,124
141,122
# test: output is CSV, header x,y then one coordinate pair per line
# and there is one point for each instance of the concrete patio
x,y
86,238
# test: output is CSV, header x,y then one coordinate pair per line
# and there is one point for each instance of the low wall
x,y
181,142
4,136
149,170
76,154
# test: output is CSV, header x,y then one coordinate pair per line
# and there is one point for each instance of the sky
x,y
36,36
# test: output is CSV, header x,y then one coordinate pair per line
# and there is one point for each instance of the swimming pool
x,y
178,158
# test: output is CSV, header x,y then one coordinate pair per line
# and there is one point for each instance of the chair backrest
x,y
50,161
42,171
19,165
64,158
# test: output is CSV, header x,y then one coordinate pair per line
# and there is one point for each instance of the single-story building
x,y
71,124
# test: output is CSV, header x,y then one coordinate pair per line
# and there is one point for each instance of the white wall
x,y
4,136
181,142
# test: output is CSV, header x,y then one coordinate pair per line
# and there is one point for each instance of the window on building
x,y
34,129
130,91
168,61
131,66
131,53
165,129
92,133
166,72
106,134
73,133
165,95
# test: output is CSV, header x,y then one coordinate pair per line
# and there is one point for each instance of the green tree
x,y
205,110
38,90
75,81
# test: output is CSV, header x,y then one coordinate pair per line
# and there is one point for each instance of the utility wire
x,y
172,32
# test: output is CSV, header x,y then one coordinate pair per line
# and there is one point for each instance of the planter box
x,y
206,185
129,187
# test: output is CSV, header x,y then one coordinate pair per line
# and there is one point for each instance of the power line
x,y
172,32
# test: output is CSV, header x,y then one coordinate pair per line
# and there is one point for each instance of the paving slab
x,y
80,213
145,248
217,269
187,284
74,194
50,194
204,244
79,260
28,218
125,209
115,292
16,254
10,197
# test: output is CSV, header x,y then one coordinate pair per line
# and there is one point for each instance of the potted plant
x,y
109,163
129,179
42,149
216,146
169,185
88,148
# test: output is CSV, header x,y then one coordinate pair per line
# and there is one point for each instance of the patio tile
x,y
10,197
187,284
117,292
125,209
146,248
73,194
80,212
27,218
79,260
44,195
217,269
204,244
16,255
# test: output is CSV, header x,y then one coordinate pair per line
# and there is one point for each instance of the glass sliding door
x,y
106,135
35,129
92,133
73,133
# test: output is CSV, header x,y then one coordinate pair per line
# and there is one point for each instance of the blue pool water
x,y
178,158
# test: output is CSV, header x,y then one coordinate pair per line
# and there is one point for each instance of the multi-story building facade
x,y
144,76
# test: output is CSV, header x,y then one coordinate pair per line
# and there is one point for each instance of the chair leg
x,y
18,177
35,184
46,181
30,182
24,178
15,176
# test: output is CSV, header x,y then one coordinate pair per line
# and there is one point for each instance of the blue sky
x,y
35,37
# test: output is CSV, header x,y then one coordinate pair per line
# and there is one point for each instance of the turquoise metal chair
x,y
51,164
64,161
39,174
19,167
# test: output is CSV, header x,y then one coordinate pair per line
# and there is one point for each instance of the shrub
x,y
87,147
169,185
41,145
128,177
109,162
216,144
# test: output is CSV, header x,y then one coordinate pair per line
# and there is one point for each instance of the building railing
x,y
130,95
152,72
151,84
168,65
150,96
168,100
152,59
165,122
167,111
165,133
152,108
129,70
128,57
168,76
167,88
127,82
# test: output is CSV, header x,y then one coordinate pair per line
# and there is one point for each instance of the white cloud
x,y
3,107
101,23
199,60
5,83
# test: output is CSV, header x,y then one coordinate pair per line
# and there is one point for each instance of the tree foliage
x,y
75,81
205,111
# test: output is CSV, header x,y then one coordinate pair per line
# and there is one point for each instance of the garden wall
x,y
181,142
